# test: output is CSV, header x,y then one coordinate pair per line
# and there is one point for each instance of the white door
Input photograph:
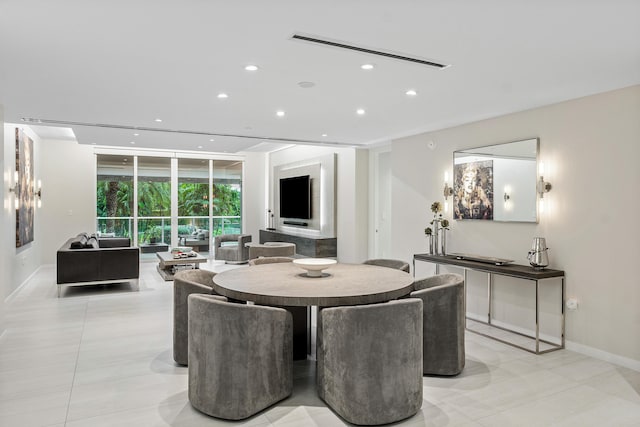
x,y
382,204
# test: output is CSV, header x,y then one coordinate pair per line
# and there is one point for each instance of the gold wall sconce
x,y
14,189
447,191
543,187
38,193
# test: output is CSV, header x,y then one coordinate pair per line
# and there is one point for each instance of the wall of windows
x,y
154,200
179,201
115,196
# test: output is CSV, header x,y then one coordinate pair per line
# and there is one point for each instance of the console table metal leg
x,y
489,290
537,317
562,313
464,301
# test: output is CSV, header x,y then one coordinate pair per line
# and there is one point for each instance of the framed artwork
x,y
24,189
473,190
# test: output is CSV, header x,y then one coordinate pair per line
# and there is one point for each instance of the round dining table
x,y
286,284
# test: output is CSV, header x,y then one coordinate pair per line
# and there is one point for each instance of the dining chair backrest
x,y
390,263
240,357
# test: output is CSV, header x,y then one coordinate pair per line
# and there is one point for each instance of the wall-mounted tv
x,y
295,197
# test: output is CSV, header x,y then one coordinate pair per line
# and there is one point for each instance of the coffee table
x,y
168,265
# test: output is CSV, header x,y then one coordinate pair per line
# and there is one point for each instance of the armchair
x,y
232,248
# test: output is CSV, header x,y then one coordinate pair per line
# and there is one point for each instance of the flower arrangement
x,y
436,208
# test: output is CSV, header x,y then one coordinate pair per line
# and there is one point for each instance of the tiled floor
x,y
102,357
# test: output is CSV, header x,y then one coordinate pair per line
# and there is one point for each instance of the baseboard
x,y
15,292
603,355
569,345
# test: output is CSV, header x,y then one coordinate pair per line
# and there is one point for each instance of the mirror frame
x,y
537,178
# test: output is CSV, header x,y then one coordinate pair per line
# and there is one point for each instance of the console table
x,y
511,270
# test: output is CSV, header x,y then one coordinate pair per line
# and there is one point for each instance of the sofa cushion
x,y
92,243
79,242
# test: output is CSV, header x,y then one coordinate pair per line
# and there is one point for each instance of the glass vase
x,y
443,241
435,238
430,236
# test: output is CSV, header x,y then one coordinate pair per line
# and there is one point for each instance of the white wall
x,y
20,263
254,190
351,195
590,147
68,194
4,213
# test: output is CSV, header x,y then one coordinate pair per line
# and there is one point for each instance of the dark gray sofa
x,y
86,260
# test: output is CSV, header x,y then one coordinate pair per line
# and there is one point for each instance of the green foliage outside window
x,y
115,199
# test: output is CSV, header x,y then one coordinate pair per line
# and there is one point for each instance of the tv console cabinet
x,y
316,247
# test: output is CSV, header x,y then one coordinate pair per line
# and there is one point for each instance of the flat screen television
x,y
295,197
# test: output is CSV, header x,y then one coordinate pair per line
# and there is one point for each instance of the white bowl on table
x,y
314,266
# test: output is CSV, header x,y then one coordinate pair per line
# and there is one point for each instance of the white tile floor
x,y
102,357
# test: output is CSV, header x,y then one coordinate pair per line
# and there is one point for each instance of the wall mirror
x,y
496,182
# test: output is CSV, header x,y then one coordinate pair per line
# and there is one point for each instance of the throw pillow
x,y
92,243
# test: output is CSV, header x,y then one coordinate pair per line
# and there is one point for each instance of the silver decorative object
x,y
537,256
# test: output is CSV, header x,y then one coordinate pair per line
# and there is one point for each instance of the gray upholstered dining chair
x,y
240,358
443,323
301,315
369,361
231,248
390,263
269,260
185,283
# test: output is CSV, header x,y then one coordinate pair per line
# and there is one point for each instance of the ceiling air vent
x,y
341,45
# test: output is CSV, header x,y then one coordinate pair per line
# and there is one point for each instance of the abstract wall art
x,y
24,189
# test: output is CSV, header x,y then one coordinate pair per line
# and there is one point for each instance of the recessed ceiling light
x,y
360,112
132,142
93,143
411,92
280,113
199,146
223,96
136,134
124,160
211,140
325,135
158,120
367,66
251,68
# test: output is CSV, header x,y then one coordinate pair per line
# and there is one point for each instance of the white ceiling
x,y
127,63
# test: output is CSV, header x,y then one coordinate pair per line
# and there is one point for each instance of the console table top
x,y
513,270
